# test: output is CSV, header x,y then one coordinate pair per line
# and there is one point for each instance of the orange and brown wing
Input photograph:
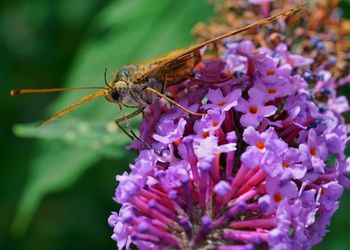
x,y
181,67
102,92
178,59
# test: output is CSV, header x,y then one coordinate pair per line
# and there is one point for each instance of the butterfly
x,y
139,85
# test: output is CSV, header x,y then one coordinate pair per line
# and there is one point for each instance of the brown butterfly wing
x,y
181,66
181,58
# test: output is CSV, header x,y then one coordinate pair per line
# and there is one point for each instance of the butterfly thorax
x,y
128,89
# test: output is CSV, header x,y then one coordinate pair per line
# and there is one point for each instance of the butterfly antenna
x,y
88,98
16,92
173,102
105,74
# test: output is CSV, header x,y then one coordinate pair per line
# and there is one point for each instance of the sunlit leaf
x,y
100,137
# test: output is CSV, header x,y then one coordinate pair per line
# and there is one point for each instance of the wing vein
x,y
232,33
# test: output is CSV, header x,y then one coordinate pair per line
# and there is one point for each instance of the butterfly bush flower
x,y
265,167
254,110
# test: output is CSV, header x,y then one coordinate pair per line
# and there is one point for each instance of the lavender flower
x,y
257,170
254,110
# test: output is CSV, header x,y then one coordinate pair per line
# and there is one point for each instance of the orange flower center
x,y
215,124
253,109
278,197
222,103
272,91
205,134
270,72
313,151
229,72
285,164
260,145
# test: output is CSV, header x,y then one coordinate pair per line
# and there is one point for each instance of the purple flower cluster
x,y
265,167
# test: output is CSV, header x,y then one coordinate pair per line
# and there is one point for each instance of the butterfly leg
x,y
130,116
131,135
131,132
124,130
173,102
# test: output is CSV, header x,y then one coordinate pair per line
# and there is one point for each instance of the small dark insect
x,y
139,85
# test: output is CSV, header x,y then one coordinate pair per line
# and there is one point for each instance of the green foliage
x,y
100,137
125,31
345,6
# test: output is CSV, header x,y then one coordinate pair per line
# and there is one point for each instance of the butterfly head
x,y
118,87
117,91
128,73
123,75
122,84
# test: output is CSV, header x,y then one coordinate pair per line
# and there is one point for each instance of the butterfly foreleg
x,y
130,133
124,130
130,116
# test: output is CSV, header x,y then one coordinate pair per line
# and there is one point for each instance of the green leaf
x,y
100,137
345,5
125,31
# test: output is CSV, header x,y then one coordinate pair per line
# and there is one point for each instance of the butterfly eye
x,y
123,74
115,95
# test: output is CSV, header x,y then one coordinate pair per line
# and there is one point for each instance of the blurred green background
x,y
57,182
